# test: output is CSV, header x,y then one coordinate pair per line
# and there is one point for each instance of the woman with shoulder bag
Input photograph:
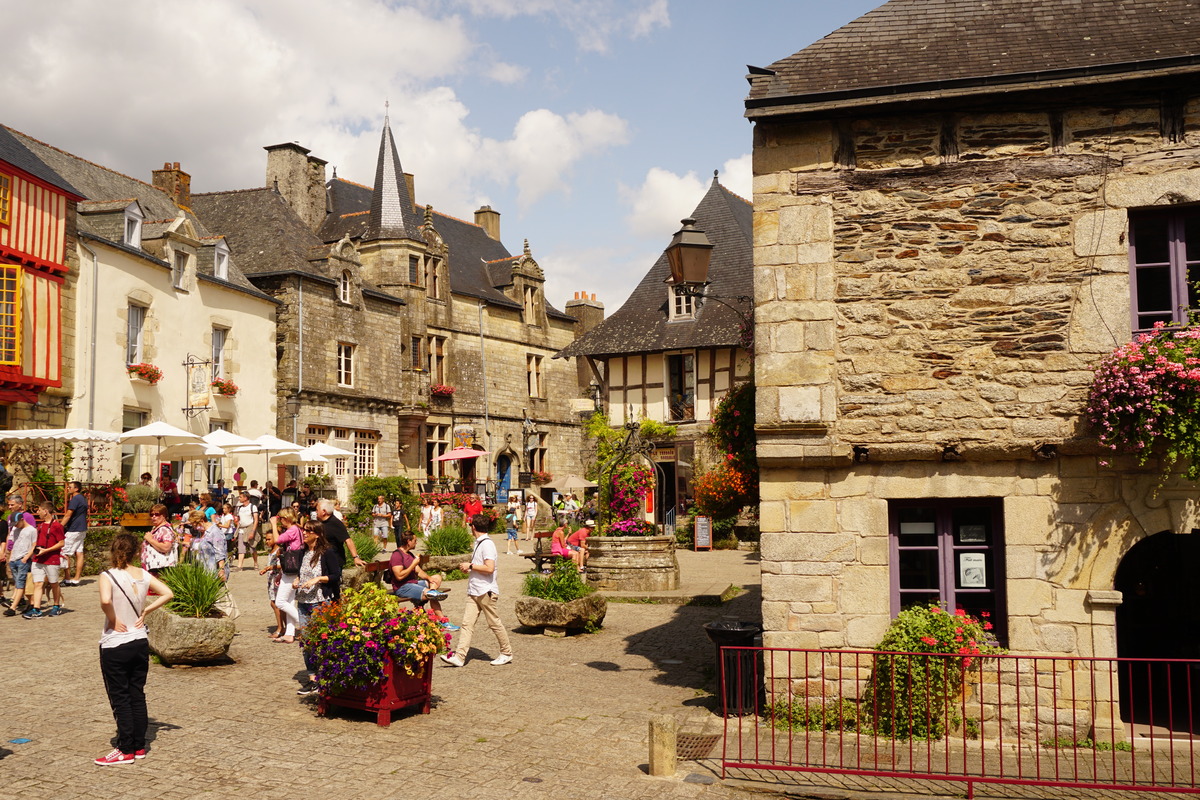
x,y
291,554
320,562
124,649
158,545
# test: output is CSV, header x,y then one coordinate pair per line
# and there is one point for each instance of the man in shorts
x,y
75,523
46,569
19,558
381,520
247,522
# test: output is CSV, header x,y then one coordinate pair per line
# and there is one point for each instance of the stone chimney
x,y
300,179
589,312
489,220
410,182
175,182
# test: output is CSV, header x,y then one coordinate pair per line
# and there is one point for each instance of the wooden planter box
x,y
136,520
398,690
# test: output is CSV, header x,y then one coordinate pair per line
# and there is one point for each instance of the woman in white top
x,y
426,516
531,510
435,516
124,649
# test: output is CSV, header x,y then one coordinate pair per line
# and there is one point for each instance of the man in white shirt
x,y
381,520
482,593
247,522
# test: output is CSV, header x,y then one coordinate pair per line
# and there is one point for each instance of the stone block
x,y
774,254
864,590
866,516
1101,233
792,588
775,615
799,640
1029,598
787,337
768,313
812,516
771,520
1028,521
827,551
800,404
805,224
1134,191
1057,638
766,227
793,369
865,632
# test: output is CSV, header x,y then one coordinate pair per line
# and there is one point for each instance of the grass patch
x,y
636,601
1064,743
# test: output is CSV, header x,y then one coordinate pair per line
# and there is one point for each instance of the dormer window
x,y
133,225
344,287
681,303
530,295
179,262
221,261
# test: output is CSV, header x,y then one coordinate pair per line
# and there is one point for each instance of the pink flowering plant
x,y
927,654
351,640
1145,398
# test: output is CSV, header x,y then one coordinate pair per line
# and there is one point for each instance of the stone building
x,y
156,286
404,333
37,289
669,355
950,199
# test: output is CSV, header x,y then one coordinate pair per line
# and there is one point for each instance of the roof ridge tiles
x,y
233,191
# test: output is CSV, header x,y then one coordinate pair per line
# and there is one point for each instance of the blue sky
x,y
592,126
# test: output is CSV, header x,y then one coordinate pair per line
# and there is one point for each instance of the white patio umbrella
x,y
267,444
226,440
299,458
159,433
191,451
59,435
329,451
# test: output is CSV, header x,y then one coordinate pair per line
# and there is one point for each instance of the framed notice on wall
x,y
703,537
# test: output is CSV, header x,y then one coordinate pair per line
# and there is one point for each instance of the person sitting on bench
x,y
410,582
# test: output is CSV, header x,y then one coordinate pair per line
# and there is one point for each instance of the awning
x,y
459,453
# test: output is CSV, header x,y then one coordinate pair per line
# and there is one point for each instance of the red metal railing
x,y
1118,724
104,507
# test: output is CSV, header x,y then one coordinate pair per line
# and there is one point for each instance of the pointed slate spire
x,y
392,213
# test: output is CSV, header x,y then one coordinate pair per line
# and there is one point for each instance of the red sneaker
x,y
139,753
114,758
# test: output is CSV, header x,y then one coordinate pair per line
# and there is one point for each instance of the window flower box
x,y
145,373
441,390
224,387
540,478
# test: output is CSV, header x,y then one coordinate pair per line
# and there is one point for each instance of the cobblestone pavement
x,y
567,719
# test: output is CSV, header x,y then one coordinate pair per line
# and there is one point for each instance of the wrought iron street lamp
x,y
689,254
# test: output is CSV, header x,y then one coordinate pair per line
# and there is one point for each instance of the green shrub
x,y
197,591
365,544
97,547
366,491
141,499
450,540
801,714
563,584
455,574
913,688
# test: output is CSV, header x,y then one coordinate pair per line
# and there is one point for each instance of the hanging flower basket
x,y
225,387
144,372
540,478
441,390
1145,399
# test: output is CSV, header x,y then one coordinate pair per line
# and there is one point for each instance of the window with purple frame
x,y
949,552
1164,265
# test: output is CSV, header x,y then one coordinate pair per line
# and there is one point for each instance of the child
x,y
510,531
45,567
272,571
19,562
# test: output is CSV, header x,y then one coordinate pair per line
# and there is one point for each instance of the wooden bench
x,y
541,551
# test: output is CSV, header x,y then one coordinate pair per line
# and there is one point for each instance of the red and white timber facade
x,y
33,246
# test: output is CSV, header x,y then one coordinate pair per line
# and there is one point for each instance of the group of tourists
x,y
39,544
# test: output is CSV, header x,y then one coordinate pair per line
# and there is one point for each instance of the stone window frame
x,y
437,443
220,339
345,287
533,369
135,334
414,270
435,347
345,364
946,546
1176,269
416,345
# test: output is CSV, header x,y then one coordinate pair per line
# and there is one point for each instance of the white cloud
x,y
593,23
737,176
501,72
610,273
661,201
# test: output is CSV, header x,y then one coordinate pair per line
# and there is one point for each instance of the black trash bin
x,y
742,671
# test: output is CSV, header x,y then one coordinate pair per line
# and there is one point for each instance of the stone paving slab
x,y
567,719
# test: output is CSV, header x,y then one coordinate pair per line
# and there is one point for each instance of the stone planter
x,y
556,618
444,563
633,563
188,640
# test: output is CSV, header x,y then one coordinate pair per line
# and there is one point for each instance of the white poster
x,y
971,571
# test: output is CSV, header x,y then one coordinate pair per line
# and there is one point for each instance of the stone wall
x,y
933,316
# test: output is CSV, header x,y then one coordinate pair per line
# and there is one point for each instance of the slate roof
x,y
641,325
392,213
921,47
17,154
265,235
476,259
105,187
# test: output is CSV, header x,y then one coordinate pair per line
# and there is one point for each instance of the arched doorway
x,y
1158,619
503,477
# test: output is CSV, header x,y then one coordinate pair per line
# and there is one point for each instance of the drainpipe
x,y
92,356
487,425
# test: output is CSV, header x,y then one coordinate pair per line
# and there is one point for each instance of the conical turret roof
x,y
392,212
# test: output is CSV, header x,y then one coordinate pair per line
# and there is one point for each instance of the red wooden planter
x,y
397,690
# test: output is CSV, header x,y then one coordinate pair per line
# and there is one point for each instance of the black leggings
x,y
124,668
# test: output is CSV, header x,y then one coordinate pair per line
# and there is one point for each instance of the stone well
x,y
633,563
